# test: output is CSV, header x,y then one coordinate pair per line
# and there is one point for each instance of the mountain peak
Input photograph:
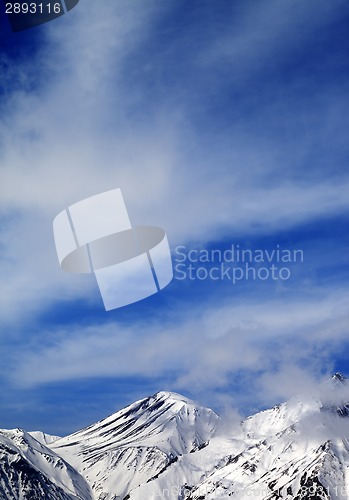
x,y
338,378
138,443
167,443
174,396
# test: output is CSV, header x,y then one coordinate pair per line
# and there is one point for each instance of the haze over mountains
x,y
168,447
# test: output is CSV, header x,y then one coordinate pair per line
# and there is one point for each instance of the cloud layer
x,y
230,123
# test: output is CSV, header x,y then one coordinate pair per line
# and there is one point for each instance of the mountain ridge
x,y
168,446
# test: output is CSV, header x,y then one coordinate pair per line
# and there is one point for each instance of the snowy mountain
x,y
168,447
28,469
43,438
137,444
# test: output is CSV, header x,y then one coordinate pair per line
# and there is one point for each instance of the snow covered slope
x,y
43,438
168,447
296,450
30,470
137,443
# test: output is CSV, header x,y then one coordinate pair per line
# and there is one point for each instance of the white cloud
x,y
85,129
277,346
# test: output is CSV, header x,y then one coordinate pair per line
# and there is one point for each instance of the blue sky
x,y
223,122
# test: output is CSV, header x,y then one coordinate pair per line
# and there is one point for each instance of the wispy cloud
x,y
208,132
259,341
